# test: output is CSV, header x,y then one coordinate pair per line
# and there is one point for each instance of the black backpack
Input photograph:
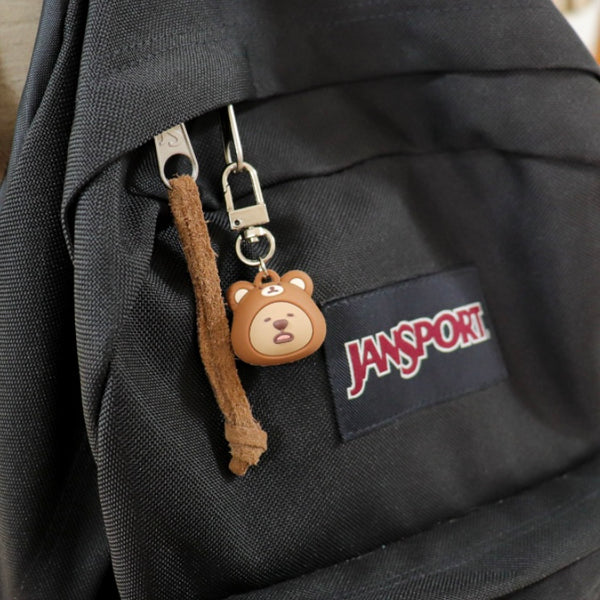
x,y
433,166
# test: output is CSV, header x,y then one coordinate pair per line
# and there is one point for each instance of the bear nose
x,y
280,324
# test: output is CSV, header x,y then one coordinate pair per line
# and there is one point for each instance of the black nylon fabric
x,y
52,541
450,562
393,139
580,580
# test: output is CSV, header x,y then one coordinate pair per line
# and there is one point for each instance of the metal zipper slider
x,y
174,142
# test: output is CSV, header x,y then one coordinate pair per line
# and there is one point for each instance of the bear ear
x,y
236,293
299,279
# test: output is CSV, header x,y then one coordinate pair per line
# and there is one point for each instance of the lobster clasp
x,y
249,216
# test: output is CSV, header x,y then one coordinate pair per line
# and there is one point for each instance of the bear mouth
x,y
283,338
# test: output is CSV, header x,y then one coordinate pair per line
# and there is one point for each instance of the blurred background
x,y
584,16
18,24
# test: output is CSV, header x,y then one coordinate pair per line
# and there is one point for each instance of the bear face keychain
x,y
275,319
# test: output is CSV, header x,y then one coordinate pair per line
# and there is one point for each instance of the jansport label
x,y
409,345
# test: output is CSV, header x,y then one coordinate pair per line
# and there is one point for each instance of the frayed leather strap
x,y
247,440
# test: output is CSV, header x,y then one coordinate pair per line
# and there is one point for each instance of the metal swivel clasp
x,y
249,216
248,220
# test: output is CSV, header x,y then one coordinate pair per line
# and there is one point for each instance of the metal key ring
x,y
256,262
231,137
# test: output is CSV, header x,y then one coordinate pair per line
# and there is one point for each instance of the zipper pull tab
x,y
174,142
247,440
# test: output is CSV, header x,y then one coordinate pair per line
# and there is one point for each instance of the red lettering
x,y
471,324
410,358
358,370
423,333
389,352
405,347
477,313
465,326
363,357
448,322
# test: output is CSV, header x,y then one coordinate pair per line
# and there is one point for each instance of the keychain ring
x,y
230,125
256,262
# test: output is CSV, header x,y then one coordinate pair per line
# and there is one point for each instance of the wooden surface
x,y
18,26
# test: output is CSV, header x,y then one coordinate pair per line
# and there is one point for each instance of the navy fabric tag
x,y
406,346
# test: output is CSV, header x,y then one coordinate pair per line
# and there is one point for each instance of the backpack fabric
x,y
394,140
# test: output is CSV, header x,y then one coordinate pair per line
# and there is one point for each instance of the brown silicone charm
x,y
275,321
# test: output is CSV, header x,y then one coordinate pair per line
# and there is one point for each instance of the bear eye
x,y
267,319
290,314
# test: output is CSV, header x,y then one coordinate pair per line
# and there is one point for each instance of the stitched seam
x,y
172,36
146,57
225,27
437,10
420,7
391,288
427,531
425,403
514,534
318,23
591,593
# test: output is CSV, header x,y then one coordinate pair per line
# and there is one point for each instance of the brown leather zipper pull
x,y
247,440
